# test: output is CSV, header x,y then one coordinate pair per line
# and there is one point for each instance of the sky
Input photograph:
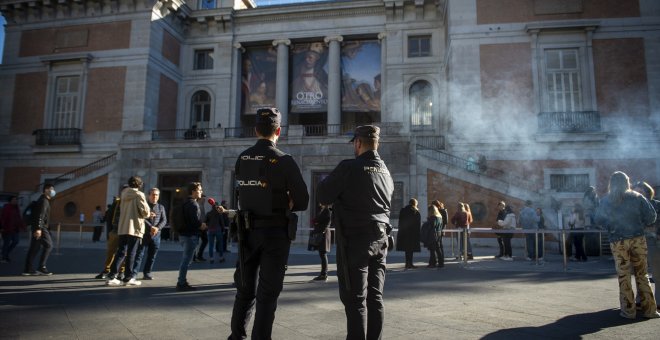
x,y
2,36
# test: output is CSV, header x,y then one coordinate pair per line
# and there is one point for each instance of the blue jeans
x,y
213,237
152,244
530,245
9,242
189,244
126,250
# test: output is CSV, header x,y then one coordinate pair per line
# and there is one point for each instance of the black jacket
x,y
361,191
192,217
410,222
43,217
322,225
267,179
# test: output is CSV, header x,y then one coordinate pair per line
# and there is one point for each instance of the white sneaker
x,y
506,258
113,282
528,258
132,282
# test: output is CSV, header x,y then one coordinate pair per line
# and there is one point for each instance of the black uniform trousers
x,y
363,304
266,256
44,241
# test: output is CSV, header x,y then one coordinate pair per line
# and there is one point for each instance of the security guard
x,y
270,187
361,190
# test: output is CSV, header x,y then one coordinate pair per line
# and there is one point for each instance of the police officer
x,y
361,190
270,187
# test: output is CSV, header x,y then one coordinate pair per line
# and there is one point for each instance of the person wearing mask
x,y
40,237
360,191
625,213
134,210
407,239
270,189
151,239
12,224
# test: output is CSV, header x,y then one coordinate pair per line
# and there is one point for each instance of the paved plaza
x,y
485,299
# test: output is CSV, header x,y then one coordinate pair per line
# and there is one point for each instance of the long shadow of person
x,y
569,327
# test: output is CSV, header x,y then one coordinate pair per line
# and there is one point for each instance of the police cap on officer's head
x,y
268,116
366,131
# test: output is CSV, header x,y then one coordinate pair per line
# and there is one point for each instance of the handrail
x,y
248,132
475,166
79,172
175,134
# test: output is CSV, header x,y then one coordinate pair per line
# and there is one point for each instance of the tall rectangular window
x,y
563,84
203,59
419,46
67,103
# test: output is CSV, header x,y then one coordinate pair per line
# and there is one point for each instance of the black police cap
x,y
268,116
366,131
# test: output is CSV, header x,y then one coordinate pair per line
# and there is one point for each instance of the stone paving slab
x,y
485,299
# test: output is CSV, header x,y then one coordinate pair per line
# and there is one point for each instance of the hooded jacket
x,y
133,210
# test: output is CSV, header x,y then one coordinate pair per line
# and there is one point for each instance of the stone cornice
x,y
32,11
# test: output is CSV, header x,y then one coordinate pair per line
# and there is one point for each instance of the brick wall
x,y
506,11
167,103
171,48
27,178
81,38
29,102
620,74
105,99
85,197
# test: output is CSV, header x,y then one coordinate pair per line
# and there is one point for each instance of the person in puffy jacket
x,y
625,213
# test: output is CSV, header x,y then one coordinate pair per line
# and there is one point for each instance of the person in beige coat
x,y
133,210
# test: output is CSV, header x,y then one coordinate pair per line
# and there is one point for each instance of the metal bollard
x,y
57,239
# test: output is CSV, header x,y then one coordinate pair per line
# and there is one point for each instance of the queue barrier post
x,y
58,234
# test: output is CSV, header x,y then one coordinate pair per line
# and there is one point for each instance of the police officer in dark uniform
x,y
270,187
361,190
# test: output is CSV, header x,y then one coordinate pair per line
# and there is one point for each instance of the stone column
x,y
235,119
384,116
282,82
334,79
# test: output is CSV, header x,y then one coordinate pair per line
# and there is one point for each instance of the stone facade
x,y
489,132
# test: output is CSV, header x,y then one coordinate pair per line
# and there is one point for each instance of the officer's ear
x,y
278,130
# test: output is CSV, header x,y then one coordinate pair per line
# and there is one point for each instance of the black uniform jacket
x,y
361,191
267,179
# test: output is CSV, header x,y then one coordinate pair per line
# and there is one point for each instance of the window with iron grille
x,y
421,104
563,83
569,182
203,59
419,46
66,108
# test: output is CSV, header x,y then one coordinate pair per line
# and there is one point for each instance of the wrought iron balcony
x,y
328,129
57,136
569,122
177,134
248,132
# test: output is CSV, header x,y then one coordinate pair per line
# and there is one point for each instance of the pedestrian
x,y
97,219
203,236
215,223
111,225
193,226
437,257
360,191
134,210
529,220
12,223
577,222
501,214
461,220
626,213
652,234
270,188
40,237
407,239
508,223
151,238
322,226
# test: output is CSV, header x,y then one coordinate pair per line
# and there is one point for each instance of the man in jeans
x,y
189,234
134,209
151,238
529,220
40,217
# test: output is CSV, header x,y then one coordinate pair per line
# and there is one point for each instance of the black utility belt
x,y
376,228
277,222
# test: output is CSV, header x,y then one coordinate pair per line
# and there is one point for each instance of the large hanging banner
x,y
309,78
258,72
360,65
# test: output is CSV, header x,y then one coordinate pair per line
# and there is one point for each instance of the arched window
x,y
421,104
200,116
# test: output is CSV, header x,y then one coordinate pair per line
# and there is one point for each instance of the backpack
x,y
30,212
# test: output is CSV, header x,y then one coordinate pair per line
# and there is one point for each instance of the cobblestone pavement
x,y
483,299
